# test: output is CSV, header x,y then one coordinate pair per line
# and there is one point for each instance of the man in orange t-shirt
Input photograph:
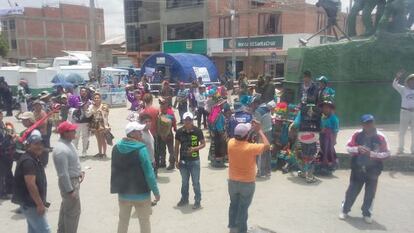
x,y
242,173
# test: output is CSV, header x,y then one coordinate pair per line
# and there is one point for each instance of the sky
x,y
113,10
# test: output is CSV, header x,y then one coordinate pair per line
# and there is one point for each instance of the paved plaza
x,y
283,204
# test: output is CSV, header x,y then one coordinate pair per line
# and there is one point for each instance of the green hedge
x,y
361,71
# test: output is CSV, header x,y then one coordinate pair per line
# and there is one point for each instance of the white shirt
x,y
407,95
148,140
201,100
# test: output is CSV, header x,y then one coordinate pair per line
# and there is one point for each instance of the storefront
x,y
254,55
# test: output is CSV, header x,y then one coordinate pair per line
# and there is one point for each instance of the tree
x,y
4,47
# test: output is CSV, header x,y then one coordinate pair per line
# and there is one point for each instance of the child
x,y
327,160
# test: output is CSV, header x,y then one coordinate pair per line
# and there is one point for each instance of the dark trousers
x,y
160,156
45,156
182,108
6,175
201,113
241,196
8,102
357,180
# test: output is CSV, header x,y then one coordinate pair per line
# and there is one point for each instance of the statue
x,y
367,6
410,21
395,16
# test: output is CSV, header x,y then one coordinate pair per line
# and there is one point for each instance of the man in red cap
x,y
70,176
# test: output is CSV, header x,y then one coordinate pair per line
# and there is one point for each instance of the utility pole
x,y
92,39
249,66
233,39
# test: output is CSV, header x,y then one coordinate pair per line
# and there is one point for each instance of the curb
x,y
394,163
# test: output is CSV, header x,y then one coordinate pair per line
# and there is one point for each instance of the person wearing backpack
x,y
166,122
133,178
218,147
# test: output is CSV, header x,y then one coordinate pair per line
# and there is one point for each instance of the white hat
x,y
242,129
188,114
133,126
28,116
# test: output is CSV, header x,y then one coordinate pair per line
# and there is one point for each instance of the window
x,y
258,3
131,10
185,31
269,24
225,26
132,38
13,44
4,26
12,24
183,3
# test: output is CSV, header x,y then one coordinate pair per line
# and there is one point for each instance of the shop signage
x,y
185,46
254,42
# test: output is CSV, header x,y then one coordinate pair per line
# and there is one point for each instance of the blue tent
x,y
183,67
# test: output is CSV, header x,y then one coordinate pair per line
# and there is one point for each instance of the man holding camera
x,y
242,172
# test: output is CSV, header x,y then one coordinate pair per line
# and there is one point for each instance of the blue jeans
x,y
36,223
241,195
187,169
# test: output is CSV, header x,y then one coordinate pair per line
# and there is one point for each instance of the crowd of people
x,y
253,133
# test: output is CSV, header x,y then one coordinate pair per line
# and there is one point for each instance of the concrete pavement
x,y
282,204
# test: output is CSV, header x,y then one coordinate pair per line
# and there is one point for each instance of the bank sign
x,y
265,42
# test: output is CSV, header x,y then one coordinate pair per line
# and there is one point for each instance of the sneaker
x,y
18,210
182,203
367,219
197,205
170,167
234,230
343,216
310,179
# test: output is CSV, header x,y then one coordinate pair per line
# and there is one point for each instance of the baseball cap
x,y
188,115
66,126
28,116
133,126
367,117
242,129
323,79
34,138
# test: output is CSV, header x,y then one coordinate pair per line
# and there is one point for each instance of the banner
x,y
202,72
